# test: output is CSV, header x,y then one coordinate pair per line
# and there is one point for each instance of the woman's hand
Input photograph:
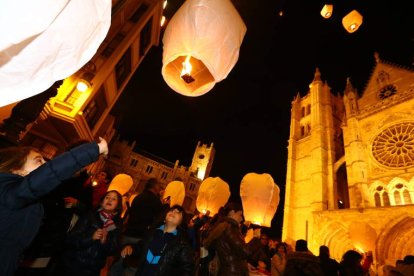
x,y
127,251
103,146
98,234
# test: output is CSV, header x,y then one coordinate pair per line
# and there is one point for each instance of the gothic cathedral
x,y
350,169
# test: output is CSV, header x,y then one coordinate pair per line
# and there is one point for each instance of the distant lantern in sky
x,y
201,45
260,198
121,183
352,21
45,41
212,194
176,191
327,10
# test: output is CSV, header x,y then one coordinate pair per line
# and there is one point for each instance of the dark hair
x,y
351,258
409,259
183,223
324,251
281,244
151,183
231,206
14,158
301,246
119,207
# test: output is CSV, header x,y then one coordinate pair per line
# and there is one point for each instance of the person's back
x,y
302,262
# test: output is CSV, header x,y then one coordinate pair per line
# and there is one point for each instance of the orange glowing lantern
x,y
206,36
45,41
326,11
363,236
176,191
212,194
352,21
260,198
121,183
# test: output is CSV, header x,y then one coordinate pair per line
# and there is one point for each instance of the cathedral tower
x,y
202,160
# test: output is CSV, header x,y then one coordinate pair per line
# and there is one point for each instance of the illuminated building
x,y
80,110
141,166
350,163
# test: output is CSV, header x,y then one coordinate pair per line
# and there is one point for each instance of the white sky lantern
x,y
121,183
176,190
352,21
327,10
45,41
363,236
260,198
206,36
212,194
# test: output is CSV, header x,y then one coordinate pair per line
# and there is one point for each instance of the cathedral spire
x,y
317,76
348,86
377,57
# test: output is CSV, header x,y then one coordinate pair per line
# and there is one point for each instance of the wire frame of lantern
x,y
201,45
36,51
327,11
176,191
260,198
212,195
352,21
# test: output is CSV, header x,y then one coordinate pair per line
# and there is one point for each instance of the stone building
x,y
141,166
350,172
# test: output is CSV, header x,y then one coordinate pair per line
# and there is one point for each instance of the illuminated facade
x,y
142,165
351,162
72,115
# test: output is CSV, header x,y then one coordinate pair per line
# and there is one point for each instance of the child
x,y
25,178
94,238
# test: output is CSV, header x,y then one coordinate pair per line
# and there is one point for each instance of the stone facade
x,y
351,162
143,165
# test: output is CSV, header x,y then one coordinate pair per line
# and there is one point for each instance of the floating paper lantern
x,y
260,198
45,41
121,183
363,236
326,11
212,194
176,190
352,21
204,38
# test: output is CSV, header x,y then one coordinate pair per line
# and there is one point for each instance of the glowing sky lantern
x,y
201,45
212,194
352,21
45,41
363,236
260,198
327,10
176,190
121,183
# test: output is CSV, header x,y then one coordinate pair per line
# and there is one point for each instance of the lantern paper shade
x,y
121,183
208,33
326,11
260,198
363,236
352,21
176,190
45,41
212,194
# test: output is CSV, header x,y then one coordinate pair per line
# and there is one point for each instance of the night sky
x,y
247,115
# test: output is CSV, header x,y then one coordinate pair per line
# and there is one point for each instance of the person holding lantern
x,y
225,238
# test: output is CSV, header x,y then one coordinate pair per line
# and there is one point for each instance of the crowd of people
x,y
56,219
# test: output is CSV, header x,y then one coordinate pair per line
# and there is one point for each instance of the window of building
x,y
407,197
107,52
133,163
308,129
308,109
149,169
302,131
397,197
385,199
164,175
303,112
377,199
145,38
95,108
137,15
123,68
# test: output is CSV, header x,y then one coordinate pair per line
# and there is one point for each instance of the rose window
x,y
394,147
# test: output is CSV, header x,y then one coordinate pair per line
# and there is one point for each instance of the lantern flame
x,y
186,71
94,183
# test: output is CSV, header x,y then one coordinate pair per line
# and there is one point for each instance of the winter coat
x,y
21,211
85,254
230,247
145,210
302,264
177,258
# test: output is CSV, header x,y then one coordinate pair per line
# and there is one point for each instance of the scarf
x,y
107,220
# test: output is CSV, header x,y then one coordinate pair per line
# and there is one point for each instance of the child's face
x,y
174,217
110,202
34,160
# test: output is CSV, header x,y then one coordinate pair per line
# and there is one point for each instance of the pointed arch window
x,y
308,109
385,199
397,197
303,112
407,197
377,199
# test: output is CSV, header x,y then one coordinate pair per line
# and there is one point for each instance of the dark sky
x,y
247,115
